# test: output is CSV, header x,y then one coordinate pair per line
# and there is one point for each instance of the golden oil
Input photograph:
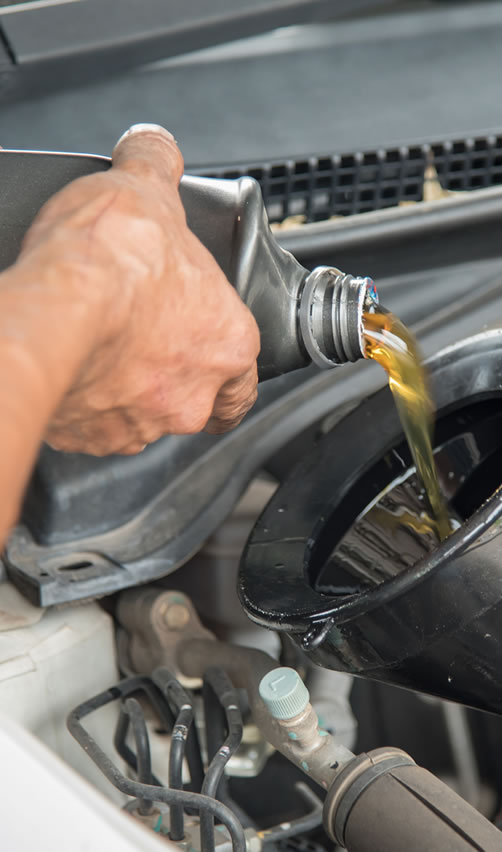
x,y
392,345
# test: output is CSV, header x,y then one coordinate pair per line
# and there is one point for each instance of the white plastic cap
x,y
284,693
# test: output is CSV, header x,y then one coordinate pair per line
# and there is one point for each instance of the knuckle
x,y
237,399
237,412
229,413
219,425
191,424
247,342
192,420
215,426
149,435
253,396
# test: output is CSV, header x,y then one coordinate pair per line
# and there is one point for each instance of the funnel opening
x,y
381,528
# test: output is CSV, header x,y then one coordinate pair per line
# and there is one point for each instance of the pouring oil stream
x,y
391,344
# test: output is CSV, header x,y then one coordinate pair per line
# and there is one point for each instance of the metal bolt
x,y
176,617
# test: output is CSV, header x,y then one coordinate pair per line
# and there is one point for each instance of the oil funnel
x,y
337,561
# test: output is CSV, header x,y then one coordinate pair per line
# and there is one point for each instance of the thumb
x,y
150,152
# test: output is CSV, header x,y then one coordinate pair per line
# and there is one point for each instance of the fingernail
x,y
137,129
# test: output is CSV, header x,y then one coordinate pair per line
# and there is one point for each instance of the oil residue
x,y
393,534
393,346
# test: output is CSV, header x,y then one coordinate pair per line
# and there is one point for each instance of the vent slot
x,y
320,187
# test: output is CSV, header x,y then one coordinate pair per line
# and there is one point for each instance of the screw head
x,y
176,616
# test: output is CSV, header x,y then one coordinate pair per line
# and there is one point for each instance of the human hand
x,y
116,325
176,348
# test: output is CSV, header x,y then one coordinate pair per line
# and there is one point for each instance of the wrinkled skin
x,y
116,324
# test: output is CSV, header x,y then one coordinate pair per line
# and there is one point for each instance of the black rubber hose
x,y
390,808
214,721
181,798
216,731
138,684
194,760
177,697
132,709
218,681
180,702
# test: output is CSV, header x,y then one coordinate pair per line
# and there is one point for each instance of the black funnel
x,y
396,608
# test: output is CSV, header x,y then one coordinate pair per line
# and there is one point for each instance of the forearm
x,y
46,333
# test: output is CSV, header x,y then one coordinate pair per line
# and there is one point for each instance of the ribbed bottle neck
x,y
331,315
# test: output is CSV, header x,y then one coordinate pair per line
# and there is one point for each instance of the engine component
x,y
155,622
49,660
383,801
319,755
433,816
293,580
217,684
210,581
330,697
281,708
148,636
176,797
187,655
161,808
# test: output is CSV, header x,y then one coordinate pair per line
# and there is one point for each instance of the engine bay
x,y
246,641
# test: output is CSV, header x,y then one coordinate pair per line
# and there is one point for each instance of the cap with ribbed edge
x,y
284,693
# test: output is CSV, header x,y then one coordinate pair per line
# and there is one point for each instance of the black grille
x,y
344,184
469,164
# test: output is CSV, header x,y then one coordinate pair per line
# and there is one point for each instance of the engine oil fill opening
x,y
410,516
393,529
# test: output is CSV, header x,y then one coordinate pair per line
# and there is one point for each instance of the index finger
x,y
150,152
